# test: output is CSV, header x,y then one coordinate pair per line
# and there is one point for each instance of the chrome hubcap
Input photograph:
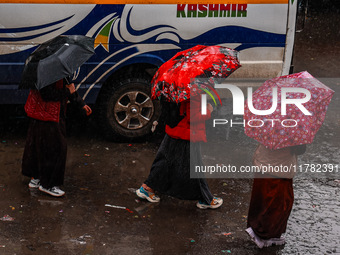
x,y
133,110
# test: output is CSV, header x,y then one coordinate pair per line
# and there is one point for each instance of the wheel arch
x,y
149,67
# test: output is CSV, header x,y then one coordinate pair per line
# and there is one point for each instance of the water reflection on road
x,y
101,172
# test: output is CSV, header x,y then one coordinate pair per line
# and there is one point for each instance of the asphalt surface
x,y
101,172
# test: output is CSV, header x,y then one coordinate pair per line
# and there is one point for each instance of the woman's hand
x,y
87,109
210,108
71,88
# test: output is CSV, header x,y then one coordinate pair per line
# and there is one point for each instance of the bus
x,y
133,38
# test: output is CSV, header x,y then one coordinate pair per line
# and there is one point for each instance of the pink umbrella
x,y
291,126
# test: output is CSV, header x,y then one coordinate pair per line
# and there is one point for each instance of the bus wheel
x,y
126,109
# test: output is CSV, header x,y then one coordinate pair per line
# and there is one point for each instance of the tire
x,y
125,109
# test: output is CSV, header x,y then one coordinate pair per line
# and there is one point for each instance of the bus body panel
x,y
142,33
133,40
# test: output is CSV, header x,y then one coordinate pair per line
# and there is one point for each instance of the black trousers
x,y
170,171
45,152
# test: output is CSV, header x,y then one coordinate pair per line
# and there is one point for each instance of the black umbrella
x,y
56,59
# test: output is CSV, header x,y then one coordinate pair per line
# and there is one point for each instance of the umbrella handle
x,y
161,86
67,80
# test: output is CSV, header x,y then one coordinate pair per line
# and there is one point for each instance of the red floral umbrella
x,y
277,131
176,79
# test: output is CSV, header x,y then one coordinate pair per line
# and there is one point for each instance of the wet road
x,y
100,172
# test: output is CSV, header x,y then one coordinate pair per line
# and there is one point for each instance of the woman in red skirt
x,y
272,195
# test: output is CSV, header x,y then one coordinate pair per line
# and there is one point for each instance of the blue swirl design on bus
x,y
6,34
118,41
125,45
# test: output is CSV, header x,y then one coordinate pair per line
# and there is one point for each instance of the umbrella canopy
x,y
176,80
277,131
56,59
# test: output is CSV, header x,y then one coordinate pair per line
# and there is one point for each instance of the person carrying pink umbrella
x,y
282,135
